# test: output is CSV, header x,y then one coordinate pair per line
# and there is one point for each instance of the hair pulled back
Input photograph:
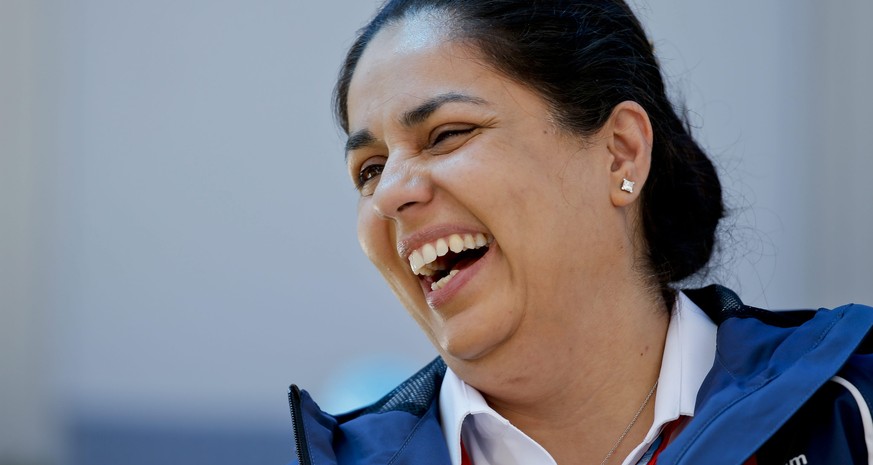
x,y
584,57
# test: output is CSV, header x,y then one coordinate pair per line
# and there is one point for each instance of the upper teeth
x,y
428,253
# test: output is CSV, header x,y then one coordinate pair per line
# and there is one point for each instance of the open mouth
x,y
437,262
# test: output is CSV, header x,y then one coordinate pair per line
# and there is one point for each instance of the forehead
x,y
415,33
408,62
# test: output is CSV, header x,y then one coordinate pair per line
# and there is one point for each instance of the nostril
x,y
403,207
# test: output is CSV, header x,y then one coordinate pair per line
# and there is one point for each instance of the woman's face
x,y
487,220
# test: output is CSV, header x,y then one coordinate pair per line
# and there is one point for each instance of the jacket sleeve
x,y
834,427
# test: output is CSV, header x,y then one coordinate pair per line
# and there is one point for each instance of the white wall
x,y
842,152
27,426
778,91
178,231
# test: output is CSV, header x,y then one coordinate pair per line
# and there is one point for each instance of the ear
x,y
629,141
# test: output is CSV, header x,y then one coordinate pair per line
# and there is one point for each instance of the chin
x,y
470,341
465,349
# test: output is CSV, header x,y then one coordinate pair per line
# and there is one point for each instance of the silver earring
x,y
627,186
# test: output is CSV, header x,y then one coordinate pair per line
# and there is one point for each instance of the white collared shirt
x,y
490,439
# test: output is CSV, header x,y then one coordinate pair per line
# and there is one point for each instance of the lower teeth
x,y
442,282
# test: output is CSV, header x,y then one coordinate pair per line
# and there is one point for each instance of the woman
x,y
531,197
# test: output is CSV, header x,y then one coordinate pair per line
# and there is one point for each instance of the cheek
x,y
372,233
378,241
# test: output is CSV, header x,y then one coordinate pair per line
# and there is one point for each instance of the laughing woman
x,y
531,196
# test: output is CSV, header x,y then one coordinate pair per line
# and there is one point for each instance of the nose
x,y
402,185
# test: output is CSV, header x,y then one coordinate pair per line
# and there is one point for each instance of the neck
x,y
576,391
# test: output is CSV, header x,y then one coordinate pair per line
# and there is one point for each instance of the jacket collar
x,y
402,428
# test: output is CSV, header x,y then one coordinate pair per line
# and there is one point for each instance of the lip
x,y
440,297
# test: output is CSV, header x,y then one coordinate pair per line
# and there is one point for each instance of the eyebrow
x,y
415,116
422,112
359,139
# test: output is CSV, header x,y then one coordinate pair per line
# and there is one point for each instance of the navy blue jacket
x,y
786,388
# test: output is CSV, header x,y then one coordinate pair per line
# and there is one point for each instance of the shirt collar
x,y
457,401
688,356
490,438
689,351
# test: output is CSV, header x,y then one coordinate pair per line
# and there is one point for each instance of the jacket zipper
x,y
301,446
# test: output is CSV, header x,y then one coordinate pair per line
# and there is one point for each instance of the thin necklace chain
x,y
630,425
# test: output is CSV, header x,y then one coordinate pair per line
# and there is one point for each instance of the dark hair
x,y
584,57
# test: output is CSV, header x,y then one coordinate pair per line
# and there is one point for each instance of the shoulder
x,y
775,385
743,328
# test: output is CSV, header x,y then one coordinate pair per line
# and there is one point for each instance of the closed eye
x,y
449,133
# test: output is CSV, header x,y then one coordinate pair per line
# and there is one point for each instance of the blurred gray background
x,y
177,238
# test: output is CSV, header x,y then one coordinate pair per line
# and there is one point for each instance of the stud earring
x,y
627,186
